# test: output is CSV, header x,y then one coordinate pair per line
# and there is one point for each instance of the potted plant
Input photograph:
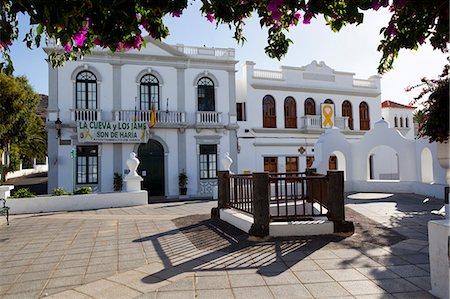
x,y
182,182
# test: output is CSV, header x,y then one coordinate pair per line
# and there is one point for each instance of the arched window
x,y
206,101
328,101
310,107
269,113
290,113
401,122
364,119
406,122
395,121
347,111
149,92
86,91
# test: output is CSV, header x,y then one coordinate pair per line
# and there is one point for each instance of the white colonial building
x,y
100,109
281,114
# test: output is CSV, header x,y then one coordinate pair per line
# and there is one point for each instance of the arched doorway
x,y
151,168
383,163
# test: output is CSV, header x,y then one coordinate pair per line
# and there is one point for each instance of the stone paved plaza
x,y
173,250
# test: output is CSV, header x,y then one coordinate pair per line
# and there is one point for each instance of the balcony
x,y
168,119
85,114
208,119
314,122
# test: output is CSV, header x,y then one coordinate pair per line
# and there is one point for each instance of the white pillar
x,y
438,239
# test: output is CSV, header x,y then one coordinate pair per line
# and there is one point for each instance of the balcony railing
x,y
162,117
315,122
86,114
208,118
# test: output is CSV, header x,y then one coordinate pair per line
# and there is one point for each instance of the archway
x,y
339,162
151,168
426,159
383,164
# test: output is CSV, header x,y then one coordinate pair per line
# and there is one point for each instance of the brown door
x,y
332,163
364,120
269,113
347,111
290,113
270,164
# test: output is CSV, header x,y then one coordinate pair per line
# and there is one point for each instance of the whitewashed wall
x,y
357,161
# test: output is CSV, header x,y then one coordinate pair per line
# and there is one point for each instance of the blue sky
x,y
353,49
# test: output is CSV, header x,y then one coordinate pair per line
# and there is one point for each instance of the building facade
x,y
100,110
103,107
281,114
399,116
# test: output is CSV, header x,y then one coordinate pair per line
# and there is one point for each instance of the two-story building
x,y
281,114
100,110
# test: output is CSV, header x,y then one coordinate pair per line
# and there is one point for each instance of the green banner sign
x,y
112,131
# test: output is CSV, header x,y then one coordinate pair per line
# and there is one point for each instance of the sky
x,y
353,49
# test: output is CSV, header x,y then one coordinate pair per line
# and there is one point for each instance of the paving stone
x,y
107,289
184,284
28,286
212,282
377,272
414,295
65,281
362,287
282,278
138,281
326,289
331,264
291,291
246,280
346,275
322,254
305,265
390,260
375,296
313,276
261,292
408,270
175,295
69,294
216,294
422,282
21,295
396,285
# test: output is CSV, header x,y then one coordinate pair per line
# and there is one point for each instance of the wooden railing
x,y
295,196
284,197
241,192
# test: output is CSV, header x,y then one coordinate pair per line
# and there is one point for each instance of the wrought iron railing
x,y
241,192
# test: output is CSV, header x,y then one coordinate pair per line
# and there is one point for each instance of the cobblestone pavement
x,y
172,250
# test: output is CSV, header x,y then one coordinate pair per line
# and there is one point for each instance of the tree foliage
x,y
79,26
21,129
433,119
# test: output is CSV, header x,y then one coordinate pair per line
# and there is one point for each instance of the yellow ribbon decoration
x,y
88,133
327,112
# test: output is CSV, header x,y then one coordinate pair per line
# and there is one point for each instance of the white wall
x,y
357,155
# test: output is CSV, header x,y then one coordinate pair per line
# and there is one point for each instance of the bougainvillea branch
x,y
434,116
80,25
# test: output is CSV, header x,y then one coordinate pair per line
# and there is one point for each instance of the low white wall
x,y
76,202
23,172
394,186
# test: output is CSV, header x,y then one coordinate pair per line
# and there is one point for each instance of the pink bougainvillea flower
x,y
421,39
210,17
297,15
138,16
5,44
67,47
307,18
391,29
97,41
137,41
79,38
276,15
376,4
177,13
